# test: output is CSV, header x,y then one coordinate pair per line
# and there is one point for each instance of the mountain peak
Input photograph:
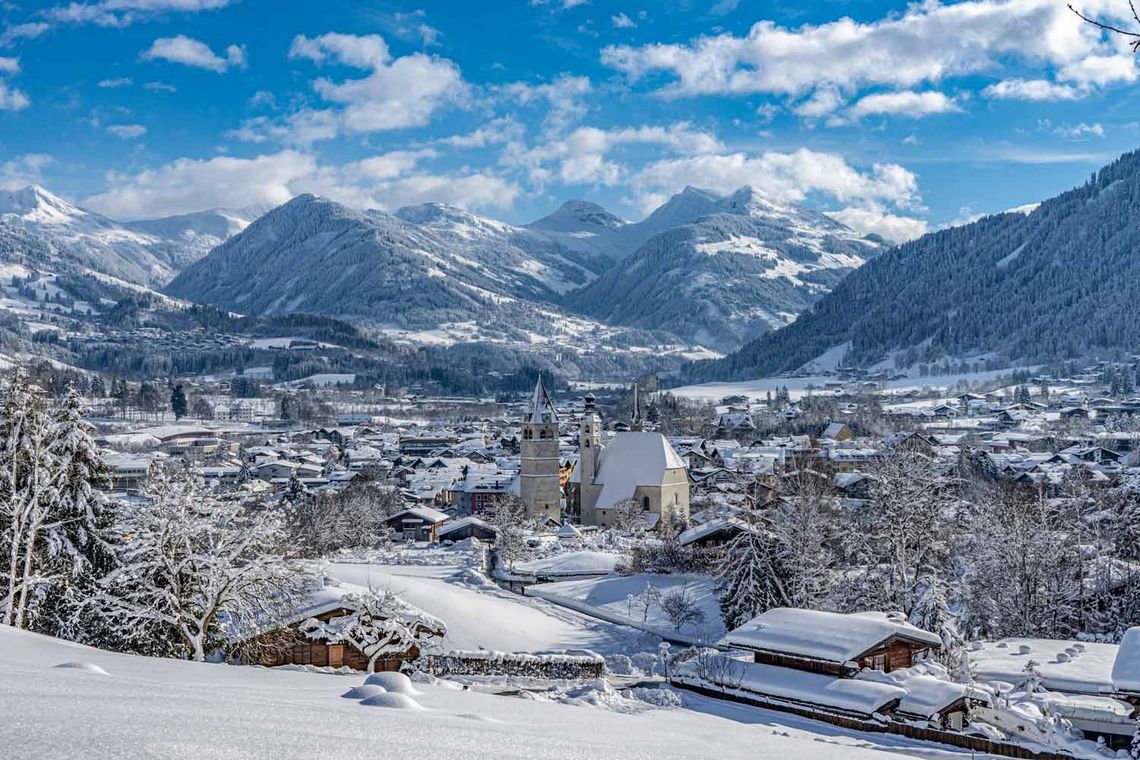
x,y
579,216
37,204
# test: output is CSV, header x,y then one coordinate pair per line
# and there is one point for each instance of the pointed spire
x,y
541,405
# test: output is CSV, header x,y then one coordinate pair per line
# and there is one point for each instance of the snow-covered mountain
x,y
720,270
586,227
420,267
47,232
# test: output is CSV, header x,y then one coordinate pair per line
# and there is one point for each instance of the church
x,y
636,465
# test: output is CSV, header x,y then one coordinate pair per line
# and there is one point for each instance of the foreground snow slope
x,y
480,615
144,707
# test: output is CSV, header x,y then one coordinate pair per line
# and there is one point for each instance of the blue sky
x,y
895,118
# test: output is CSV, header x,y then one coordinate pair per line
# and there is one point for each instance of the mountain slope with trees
x,y
1058,282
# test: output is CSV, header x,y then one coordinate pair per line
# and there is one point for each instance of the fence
x,y
921,733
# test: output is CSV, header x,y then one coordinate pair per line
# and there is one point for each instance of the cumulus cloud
x,y
11,99
191,52
127,131
910,104
582,156
120,13
397,93
562,96
928,43
382,181
622,21
1030,89
1078,131
874,220
25,170
792,177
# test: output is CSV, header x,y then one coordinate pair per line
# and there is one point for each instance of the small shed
x,y
417,523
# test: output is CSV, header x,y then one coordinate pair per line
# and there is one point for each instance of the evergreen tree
x,y
178,403
745,576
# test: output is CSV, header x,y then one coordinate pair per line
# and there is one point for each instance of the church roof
x,y
630,460
541,407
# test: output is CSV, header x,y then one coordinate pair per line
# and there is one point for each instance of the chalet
x,y
290,644
832,643
417,523
466,527
944,411
716,532
1073,413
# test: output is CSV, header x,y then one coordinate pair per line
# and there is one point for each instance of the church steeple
x,y
541,407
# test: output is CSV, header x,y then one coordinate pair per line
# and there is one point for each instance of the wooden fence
x,y
921,733
575,667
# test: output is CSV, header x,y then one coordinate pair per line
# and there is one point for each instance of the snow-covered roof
x,y
1068,666
630,460
827,636
462,523
848,695
1126,668
927,695
426,514
707,529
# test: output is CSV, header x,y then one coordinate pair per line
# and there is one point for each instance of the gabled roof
x,y
826,636
630,460
541,407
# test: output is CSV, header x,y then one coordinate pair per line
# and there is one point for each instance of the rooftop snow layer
x,y
827,636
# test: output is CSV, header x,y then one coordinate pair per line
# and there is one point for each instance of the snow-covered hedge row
x,y
553,665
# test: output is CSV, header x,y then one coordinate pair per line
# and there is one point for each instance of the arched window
x,y
587,444
644,503
528,434
544,433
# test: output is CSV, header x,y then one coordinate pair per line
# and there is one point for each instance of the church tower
x,y
540,487
589,455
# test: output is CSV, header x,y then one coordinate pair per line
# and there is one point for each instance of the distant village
x,y
806,548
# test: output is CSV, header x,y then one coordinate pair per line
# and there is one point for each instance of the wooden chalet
x,y
832,643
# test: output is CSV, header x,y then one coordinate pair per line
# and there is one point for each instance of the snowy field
x,y
609,598
106,705
480,615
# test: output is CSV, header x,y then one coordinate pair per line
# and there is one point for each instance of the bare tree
x,y
681,609
1134,37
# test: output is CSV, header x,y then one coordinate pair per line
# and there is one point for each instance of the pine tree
x,y
178,403
744,577
79,543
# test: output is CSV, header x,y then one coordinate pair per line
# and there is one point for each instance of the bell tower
x,y
540,487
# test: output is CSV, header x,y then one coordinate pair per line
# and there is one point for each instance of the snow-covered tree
x,y
28,497
1134,750
381,625
511,520
746,576
681,609
78,545
804,527
354,516
192,559
907,530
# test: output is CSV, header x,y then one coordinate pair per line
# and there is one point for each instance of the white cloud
x,y
11,99
160,87
1078,131
1030,89
893,227
910,104
116,82
23,171
582,156
120,13
127,131
301,128
191,52
622,21
563,95
926,44
385,181
26,31
398,93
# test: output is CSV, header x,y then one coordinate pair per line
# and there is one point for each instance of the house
x,y
837,431
1126,667
290,644
466,527
417,523
833,643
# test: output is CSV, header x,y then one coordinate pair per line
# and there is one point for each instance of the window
x,y
645,503
877,662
